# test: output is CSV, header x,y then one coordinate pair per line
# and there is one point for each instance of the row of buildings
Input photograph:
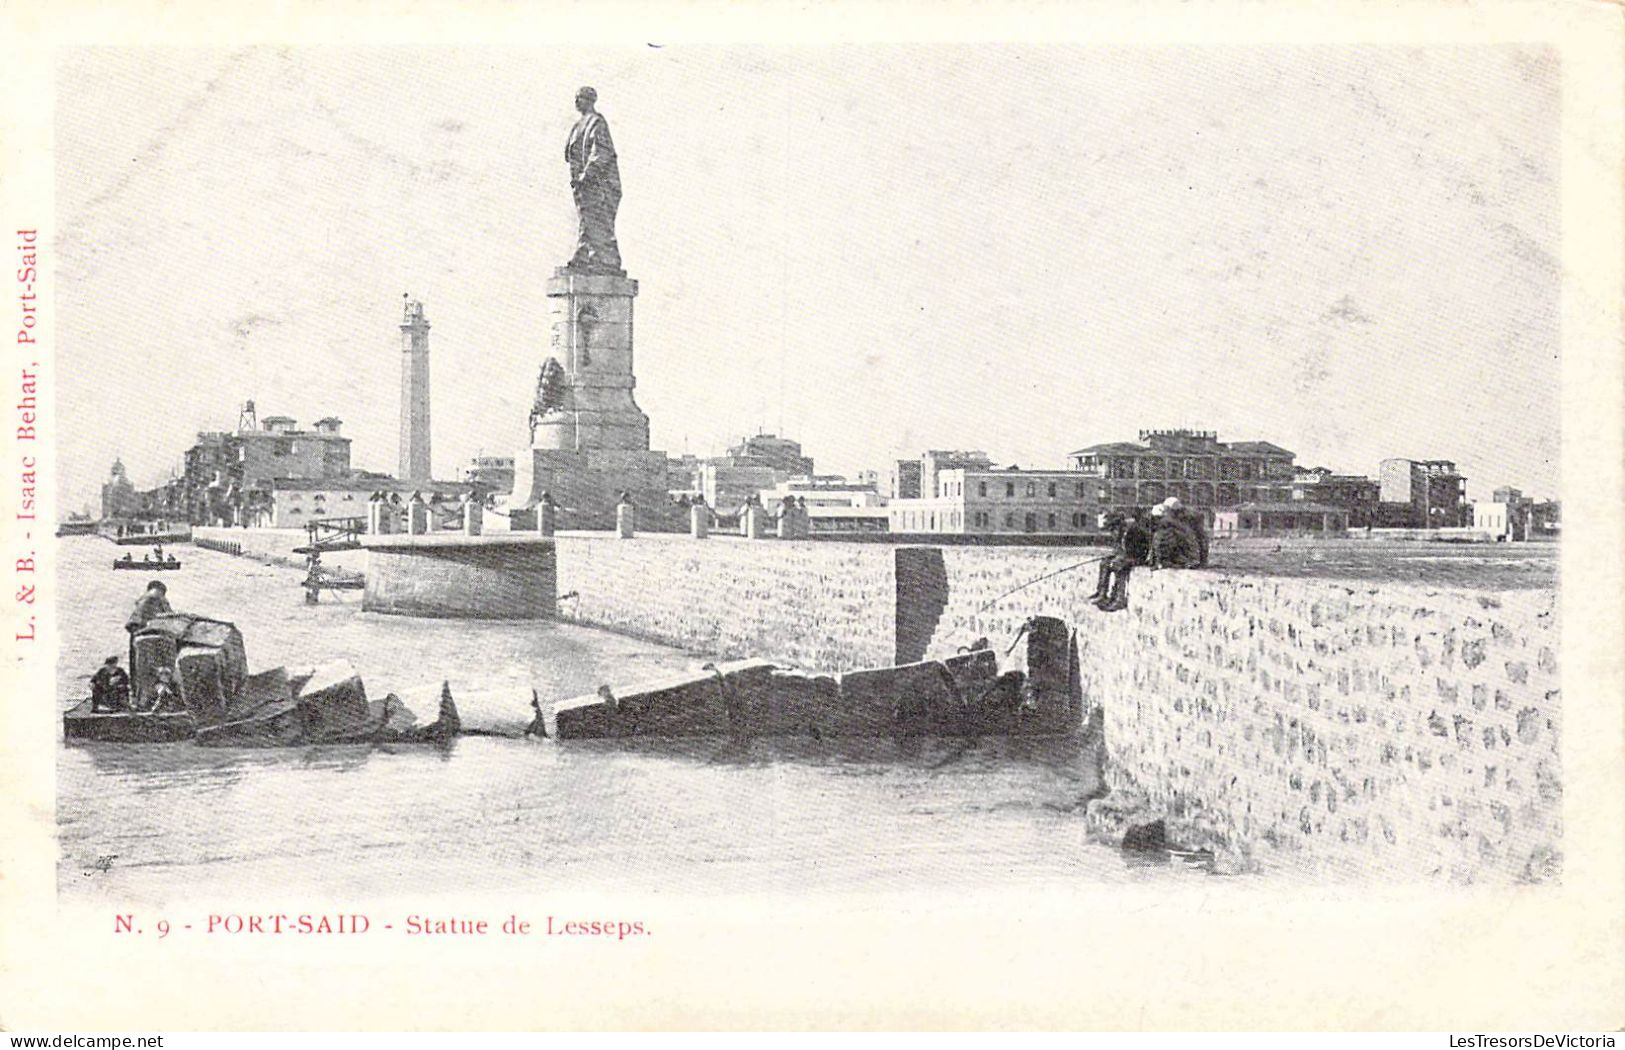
x,y
1241,487
271,473
275,474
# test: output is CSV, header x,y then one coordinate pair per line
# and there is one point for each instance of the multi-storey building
x,y
490,474
682,474
988,501
1193,465
296,502
1354,493
770,450
1423,494
823,490
118,495
1546,519
935,462
905,480
754,464
228,475
727,483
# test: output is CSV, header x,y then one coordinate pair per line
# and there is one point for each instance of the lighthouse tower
x,y
414,392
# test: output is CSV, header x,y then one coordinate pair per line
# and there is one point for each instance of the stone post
x,y
380,516
787,518
624,517
417,515
755,522
547,515
699,520
473,516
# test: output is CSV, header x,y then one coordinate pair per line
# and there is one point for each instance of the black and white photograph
x,y
493,496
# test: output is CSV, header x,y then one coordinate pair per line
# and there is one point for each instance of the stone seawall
x,y
1390,729
1406,729
820,606
504,576
1402,730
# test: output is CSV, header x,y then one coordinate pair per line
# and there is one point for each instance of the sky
x,y
1348,251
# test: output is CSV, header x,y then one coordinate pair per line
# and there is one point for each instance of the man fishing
x,y
1132,547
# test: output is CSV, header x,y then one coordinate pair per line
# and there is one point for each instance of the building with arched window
x,y
1193,465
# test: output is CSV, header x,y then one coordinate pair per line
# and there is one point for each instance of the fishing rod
x,y
1028,583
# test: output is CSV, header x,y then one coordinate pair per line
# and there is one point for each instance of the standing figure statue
x,y
596,180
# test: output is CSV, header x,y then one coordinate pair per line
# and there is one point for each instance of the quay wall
x,y
1373,728
461,577
271,547
817,605
1379,728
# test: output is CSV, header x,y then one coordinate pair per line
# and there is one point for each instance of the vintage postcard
x,y
1033,516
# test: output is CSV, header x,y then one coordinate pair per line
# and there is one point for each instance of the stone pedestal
x,y
625,521
547,518
699,521
590,319
417,516
585,485
593,444
473,518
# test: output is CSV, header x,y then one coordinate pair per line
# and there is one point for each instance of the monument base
x,y
586,484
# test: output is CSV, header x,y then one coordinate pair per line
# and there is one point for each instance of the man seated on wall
x,y
1174,543
1132,546
1195,521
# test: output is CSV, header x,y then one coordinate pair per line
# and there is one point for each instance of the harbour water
x,y
493,815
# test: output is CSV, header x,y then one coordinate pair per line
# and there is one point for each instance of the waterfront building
x,y
823,490
780,453
1193,465
935,462
490,474
833,519
1355,493
227,477
756,463
1503,519
989,501
295,502
1545,519
905,479
726,482
414,443
1292,518
682,475
1423,494
118,495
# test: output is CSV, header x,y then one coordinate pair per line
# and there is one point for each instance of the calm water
x,y
496,815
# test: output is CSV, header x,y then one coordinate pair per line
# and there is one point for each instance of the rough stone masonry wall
x,y
1383,729
820,606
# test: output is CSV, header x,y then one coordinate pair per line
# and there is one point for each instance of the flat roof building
x,y
1192,465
